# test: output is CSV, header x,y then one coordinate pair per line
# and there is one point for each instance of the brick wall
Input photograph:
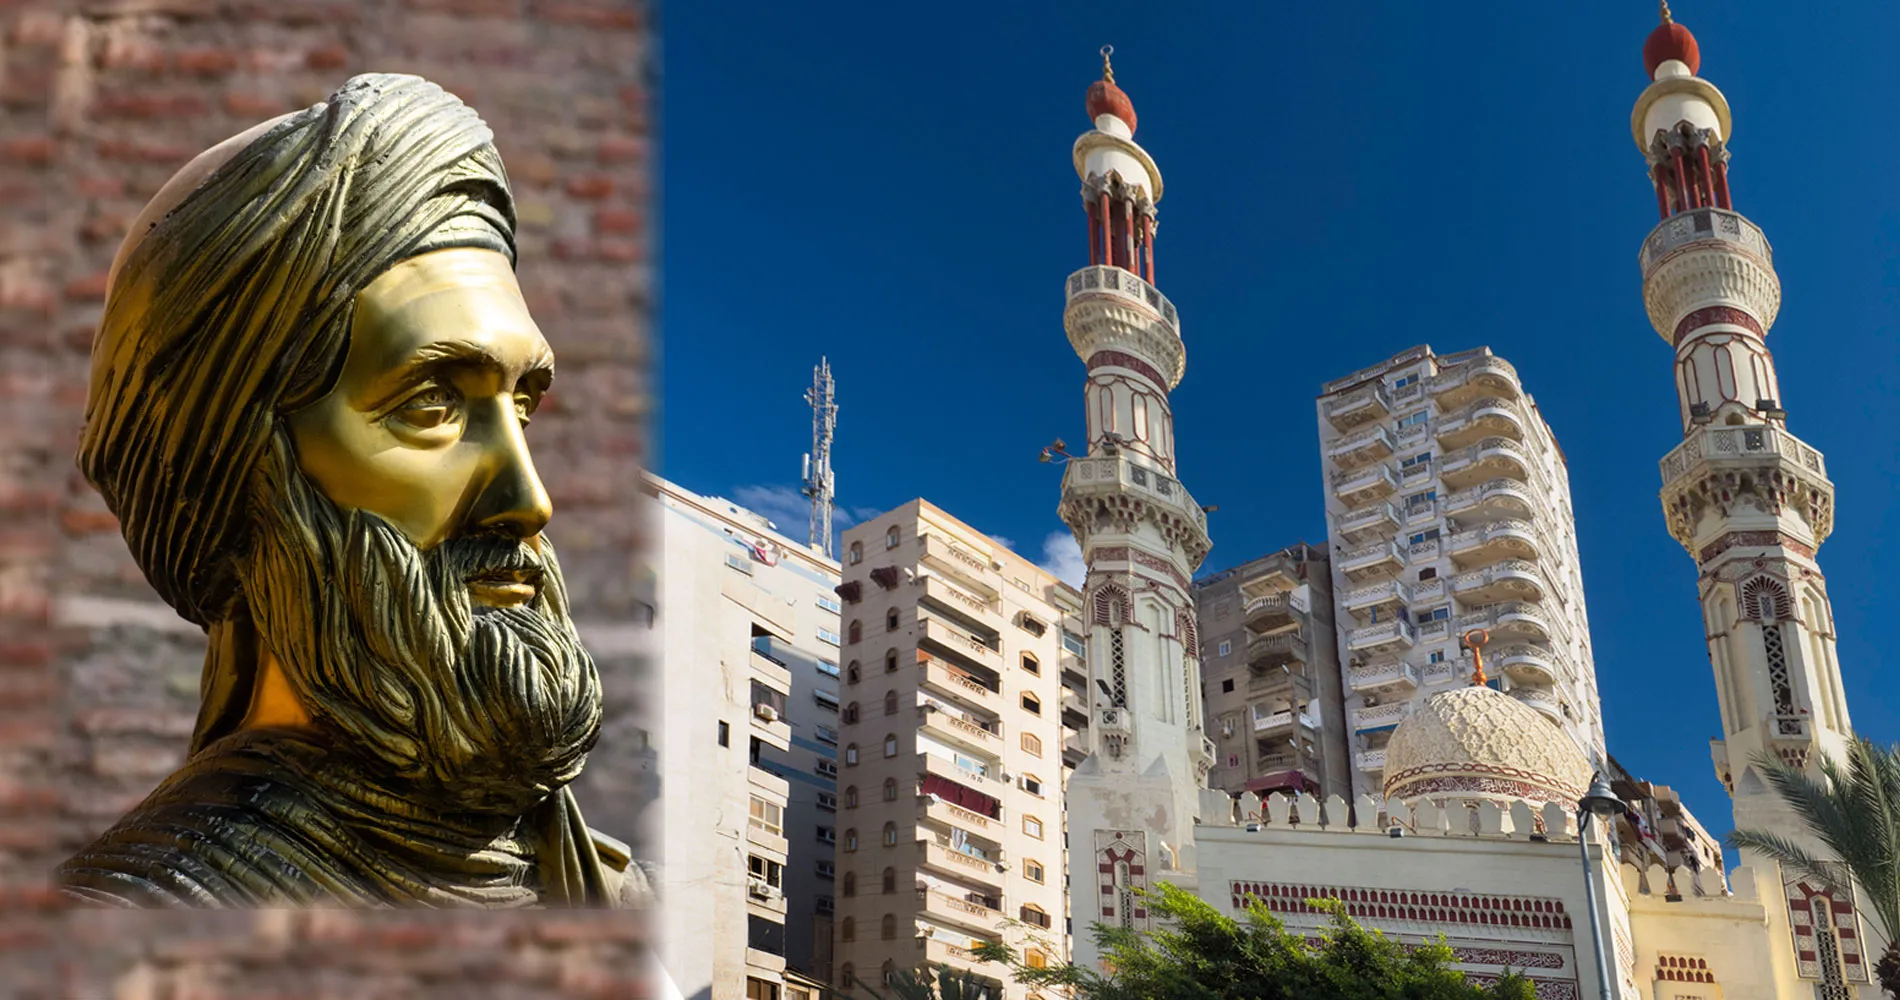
x,y
100,102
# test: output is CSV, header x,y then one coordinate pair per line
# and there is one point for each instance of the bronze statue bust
x,y
308,405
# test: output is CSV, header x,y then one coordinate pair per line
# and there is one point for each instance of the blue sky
x,y
892,189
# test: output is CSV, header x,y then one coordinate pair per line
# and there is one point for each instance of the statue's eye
x,y
432,407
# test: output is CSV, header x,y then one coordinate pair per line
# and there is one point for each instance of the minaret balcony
x,y
1356,408
1716,466
1376,595
1361,447
1483,377
1491,458
1270,652
1484,418
1357,486
1705,257
1269,612
963,566
1490,543
1535,664
1384,637
1367,561
1395,676
1380,716
1378,519
1114,476
1111,308
1509,498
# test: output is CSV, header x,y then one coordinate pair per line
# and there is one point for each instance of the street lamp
x,y
1602,803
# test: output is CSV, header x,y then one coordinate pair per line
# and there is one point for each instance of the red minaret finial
x,y
1104,98
1670,41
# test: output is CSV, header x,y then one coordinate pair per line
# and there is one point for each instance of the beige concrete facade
x,y
961,667
1270,676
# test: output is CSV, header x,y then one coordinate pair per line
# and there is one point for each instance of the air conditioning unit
x,y
759,890
766,712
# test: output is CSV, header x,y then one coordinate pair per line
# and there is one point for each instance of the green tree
x,y
948,984
1201,954
1853,809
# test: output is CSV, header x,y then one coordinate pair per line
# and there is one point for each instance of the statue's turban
x,y
231,299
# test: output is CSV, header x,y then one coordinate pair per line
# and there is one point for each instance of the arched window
x,y
1032,785
1031,664
891,537
890,881
1032,744
1766,600
890,789
852,674
850,796
889,927
890,703
890,620
854,632
890,967
1032,704
850,712
855,554
1032,826
851,839
847,975
1033,914
850,883
851,755
890,661
890,744
1033,870
847,931
890,835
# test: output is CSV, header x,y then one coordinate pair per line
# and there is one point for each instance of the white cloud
x,y
1005,541
1062,558
788,508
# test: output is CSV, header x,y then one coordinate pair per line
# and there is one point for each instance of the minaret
x,y
1133,803
1750,501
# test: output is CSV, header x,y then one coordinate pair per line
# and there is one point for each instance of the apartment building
x,y
1270,676
1448,504
964,689
746,622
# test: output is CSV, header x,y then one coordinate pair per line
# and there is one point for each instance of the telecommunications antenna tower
x,y
818,482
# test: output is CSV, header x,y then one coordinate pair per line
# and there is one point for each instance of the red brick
x,y
140,152
84,522
106,226
328,57
91,287
22,938
25,654
34,150
600,17
620,251
141,105
26,689
205,62
244,104
116,720
570,248
22,733
96,186
590,186
29,294
38,29
622,149
24,543
132,52
618,220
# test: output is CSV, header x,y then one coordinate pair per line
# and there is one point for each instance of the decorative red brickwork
x,y
1713,315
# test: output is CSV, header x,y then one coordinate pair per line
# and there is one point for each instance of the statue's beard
x,y
483,709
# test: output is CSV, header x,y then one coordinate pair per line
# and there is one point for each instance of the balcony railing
x,y
1368,402
1540,662
1494,375
1369,556
1486,416
1374,442
1518,576
1383,592
1375,676
1379,516
1124,285
941,676
965,566
1397,632
1381,716
1697,225
1510,534
1716,444
1509,492
1371,760
1269,611
1273,650
1116,475
1500,452
1543,701
1282,719
1369,481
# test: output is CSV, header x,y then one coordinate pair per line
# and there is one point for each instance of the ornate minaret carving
x,y
1133,803
1750,501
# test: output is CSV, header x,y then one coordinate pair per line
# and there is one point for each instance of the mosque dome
x,y
1671,41
1476,743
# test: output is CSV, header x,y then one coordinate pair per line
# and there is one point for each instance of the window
x,y
826,769
827,700
829,603
824,906
829,636
851,752
1032,826
850,713
1032,704
828,668
1032,744
847,976
890,966
826,734
826,800
1428,535
1227,686
890,881
1413,419
890,744
847,931
765,870
1033,871
890,661
851,796
855,631
891,537
1420,460
1404,380
1031,664
1436,656
890,703
759,989
855,554
890,789
740,563
1035,959
1419,500
850,839
827,835
1226,647
852,674
850,884
887,928
1033,914
1074,643
770,697
1428,573
890,620
1032,784
1233,760
767,816
890,835
1434,615
725,734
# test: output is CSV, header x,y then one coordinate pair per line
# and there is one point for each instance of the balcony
x,y
1436,630
1510,538
1357,486
944,678
1353,409
945,724
987,613
956,645
1369,560
940,858
1267,652
936,953
965,567
1266,613
1380,716
1119,480
1529,663
1125,285
1361,447
988,830
1075,749
1491,458
1075,711
1376,520
1513,621
960,912
1484,418
1497,498
1278,686
1381,638
931,765
1396,676
1370,761
1484,377
1545,702
1282,722
1288,760
1376,595
1510,580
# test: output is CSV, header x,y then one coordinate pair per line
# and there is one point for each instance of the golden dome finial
x,y
1475,639
1665,13
1108,71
